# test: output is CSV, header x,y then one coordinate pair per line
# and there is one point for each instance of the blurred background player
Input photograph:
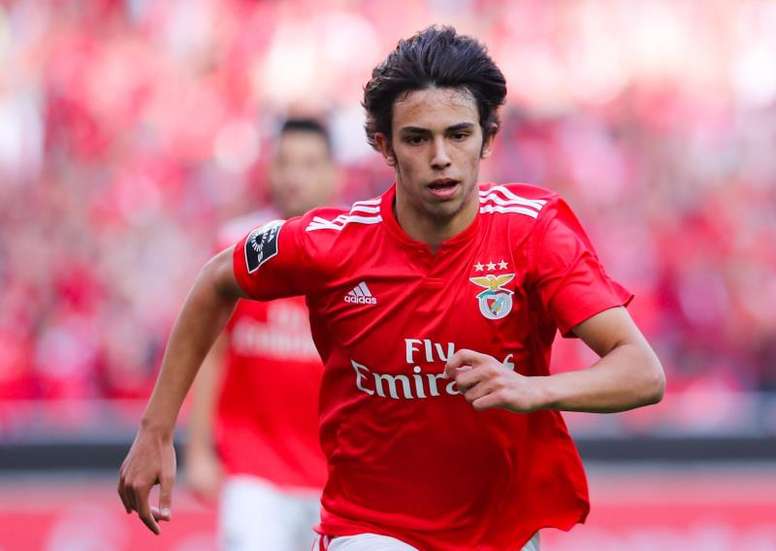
x,y
253,433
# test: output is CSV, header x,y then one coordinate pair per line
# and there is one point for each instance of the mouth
x,y
443,188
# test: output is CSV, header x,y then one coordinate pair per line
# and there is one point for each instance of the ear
x,y
487,145
385,148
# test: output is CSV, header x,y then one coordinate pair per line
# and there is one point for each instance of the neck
x,y
431,230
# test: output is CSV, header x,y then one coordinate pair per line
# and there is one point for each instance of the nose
x,y
440,160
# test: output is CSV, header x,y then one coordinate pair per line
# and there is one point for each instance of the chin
x,y
444,210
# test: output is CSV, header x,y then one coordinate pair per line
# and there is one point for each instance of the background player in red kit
x,y
434,308
264,437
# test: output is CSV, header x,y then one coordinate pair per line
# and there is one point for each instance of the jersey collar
x,y
395,230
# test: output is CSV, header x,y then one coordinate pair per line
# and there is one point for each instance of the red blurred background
x,y
131,130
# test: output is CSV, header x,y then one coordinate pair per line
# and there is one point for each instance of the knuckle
x,y
136,487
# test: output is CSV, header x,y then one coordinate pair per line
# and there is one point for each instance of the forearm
x,y
203,316
627,377
203,403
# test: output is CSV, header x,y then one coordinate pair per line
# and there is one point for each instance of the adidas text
x,y
360,300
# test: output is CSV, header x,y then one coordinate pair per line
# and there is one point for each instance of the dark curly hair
x,y
434,57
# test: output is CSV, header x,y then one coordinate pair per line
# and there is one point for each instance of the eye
x,y
459,136
414,140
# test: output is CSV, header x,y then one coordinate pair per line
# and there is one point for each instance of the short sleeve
x,y
568,276
271,261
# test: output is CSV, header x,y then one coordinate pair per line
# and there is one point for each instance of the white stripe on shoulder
x,y
503,196
362,212
365,208
498,200
340,222
490,209
369,202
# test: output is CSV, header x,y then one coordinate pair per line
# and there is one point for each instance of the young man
x,y
264,437
433,308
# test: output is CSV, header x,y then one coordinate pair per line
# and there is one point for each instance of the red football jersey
x,y
266,420
407,455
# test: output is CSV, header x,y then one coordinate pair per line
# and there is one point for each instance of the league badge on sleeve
x,y
495,301
262,244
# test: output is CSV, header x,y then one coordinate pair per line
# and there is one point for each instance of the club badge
x,y
495,301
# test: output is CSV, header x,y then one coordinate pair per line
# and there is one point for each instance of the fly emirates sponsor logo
x,y
416,384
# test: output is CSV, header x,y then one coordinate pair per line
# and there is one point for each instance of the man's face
x,y
302,174
436,148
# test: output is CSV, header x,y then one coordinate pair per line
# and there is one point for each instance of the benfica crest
x,y
495,301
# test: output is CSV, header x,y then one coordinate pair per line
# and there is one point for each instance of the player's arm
x,y
151,459
203,467
628,374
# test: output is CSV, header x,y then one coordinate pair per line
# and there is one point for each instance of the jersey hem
x,y
341,528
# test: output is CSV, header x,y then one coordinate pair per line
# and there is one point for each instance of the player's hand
x,y
203,474
487,383
150,461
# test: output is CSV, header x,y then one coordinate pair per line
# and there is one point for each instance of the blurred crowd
x,y
131,130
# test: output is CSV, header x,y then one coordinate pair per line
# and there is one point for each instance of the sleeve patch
x,y
262,244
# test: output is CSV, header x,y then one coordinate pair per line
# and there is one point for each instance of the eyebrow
x,y
453,128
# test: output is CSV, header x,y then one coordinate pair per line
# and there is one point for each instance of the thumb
x,y
165,498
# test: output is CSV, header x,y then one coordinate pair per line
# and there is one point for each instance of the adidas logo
x,y
360,294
